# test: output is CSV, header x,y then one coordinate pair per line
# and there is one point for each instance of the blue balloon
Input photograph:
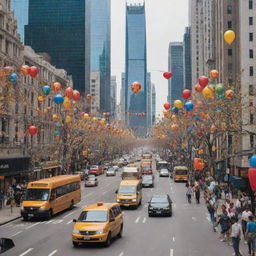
x,y
253,161
13,77
46,89
196,118
189,106
57,133
175,110
76,111
190,129
58,99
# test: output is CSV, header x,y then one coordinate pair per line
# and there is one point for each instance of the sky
x,y
166,21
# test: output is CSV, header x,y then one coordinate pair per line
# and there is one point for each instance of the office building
x,y
149,100
187,59
95,93
113,97
153,103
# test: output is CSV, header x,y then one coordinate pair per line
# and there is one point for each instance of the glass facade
x,y
136,68
176,83
20,9
187,59
100,48
58,29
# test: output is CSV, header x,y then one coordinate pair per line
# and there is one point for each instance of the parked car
x,y
160,205
164,173
96,170
91,181
148,181
111,172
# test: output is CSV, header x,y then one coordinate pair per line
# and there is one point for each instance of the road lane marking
x,y
171,252
69,222
137,220
144,220
121,254
52,253
68,215
26,252
173,239
57,221
16,233
49,222
33,225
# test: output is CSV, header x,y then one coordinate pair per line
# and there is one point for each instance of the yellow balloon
x,y
94,119
208,92
67,103
40,98
229,36
174,127
68,119
86,116
55,117
103,121
178,103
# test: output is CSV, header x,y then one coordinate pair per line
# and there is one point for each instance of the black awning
x,y
11,166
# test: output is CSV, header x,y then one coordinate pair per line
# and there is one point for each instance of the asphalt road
x,y
187,233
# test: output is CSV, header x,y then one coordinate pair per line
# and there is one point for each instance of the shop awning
x,y
238,182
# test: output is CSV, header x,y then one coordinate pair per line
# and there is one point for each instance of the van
x,y
129,193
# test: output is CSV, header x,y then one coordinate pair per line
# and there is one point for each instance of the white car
x,y
111,172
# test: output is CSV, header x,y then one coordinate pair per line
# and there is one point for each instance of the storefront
x,y
14,170
48,169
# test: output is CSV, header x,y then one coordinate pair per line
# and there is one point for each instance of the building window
x,y
250,4
252,140
251,54
230,67
250,90
229,9
229,24
230,52
251,71
250,21
251,118
250,37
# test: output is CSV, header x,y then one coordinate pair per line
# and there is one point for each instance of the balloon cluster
x,y
32,71
136,87
252,173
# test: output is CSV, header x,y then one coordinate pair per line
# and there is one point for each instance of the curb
x,y
3,223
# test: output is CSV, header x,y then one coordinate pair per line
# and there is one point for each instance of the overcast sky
x,y
166,21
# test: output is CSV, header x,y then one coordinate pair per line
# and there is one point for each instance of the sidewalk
x,y
6,215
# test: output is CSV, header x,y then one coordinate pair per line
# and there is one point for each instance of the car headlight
x,y
134,200
150,208
99,232
22,208
118,200
167,208
42,208
76,231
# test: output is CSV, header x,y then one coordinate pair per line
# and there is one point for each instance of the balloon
x,y
32,130
136,87
167,75
189,106
67,103
253,161
8,70
56,86
56,133
252,178
203,81
167,105
24,70
46,89
178,103
229,94
94,119
199,133
219,89
13,77
208,93
55,117
69,92
229,36
103,121
33,71
199,164
40,98
186,94
198,88
175,110
174,127
58,99
76,95
214,74
221,96
86,116
68,119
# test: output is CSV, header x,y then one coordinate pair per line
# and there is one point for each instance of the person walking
x,y
245,218
250,236
236,233
197,193
1,199
224,222
210,204
189,194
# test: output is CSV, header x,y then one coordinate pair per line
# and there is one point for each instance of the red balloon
x,y
82,114
167,75
199,133
198,88
136,87
69,92
167,105
186,93
252,178
203,81
33,71
32,130
76,95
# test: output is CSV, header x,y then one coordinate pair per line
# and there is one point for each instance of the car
x,y
96,170
146,170
160,205
164,173
148,181
116,168
91,181
98,223
111,172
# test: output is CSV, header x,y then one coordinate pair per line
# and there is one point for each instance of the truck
x,y
131,173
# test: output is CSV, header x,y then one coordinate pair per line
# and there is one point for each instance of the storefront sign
x,y
11,166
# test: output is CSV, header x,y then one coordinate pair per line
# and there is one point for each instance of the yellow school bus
x,y
180,173
47,197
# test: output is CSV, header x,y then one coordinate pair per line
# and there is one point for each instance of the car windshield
x,y
110,169
181,172
164,170
36,195
156,200
93,216
91,178
147,178
127,189
146,168
94,167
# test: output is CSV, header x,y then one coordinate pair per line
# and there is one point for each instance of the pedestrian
x,y
236,234
224,222
1,199
197,194
226,191
250,236
245,218
189,194
238,206
210,204
231,210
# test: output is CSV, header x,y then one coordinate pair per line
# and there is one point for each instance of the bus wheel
x,y
25,218
75,244
71,205
49,216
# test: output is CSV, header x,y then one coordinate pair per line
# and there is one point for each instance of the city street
x,y
187,233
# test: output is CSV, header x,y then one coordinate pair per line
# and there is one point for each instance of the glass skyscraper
x,y
100,48
136,69
187,58
58,28
20,9
176,66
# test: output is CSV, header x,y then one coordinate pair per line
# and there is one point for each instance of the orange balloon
x,y
214,74
56,86
136,87
24,70
198,88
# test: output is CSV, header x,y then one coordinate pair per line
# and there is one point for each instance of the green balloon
x,y
219,89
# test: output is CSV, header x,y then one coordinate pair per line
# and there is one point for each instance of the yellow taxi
x,y
98,223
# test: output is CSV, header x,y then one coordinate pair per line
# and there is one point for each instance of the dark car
x,y
146,170
148,181
160,205
164,173
91,181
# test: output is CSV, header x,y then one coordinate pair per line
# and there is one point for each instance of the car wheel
x,y
149,215
170,214
71,205
75,244
49,214
120,234
25,218
108,241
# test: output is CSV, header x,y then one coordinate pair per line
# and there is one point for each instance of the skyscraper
x,y
153,103
136,69
100,48
113,96
176,66
20,9
58,28
187,59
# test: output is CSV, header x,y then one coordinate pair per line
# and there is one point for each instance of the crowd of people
x,y
231,217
